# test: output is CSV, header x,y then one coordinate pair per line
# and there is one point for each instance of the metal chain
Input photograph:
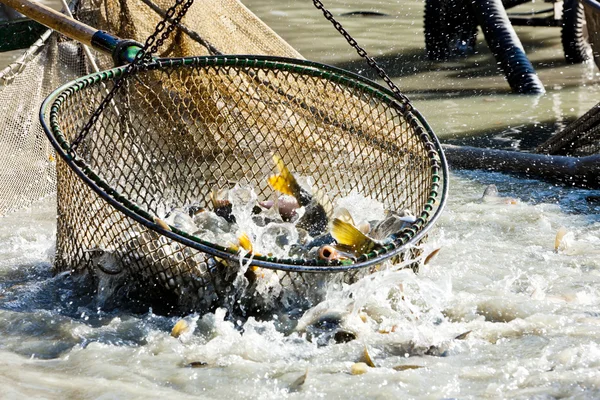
x,y
142,56
362,52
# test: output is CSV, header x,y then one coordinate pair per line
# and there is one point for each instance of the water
x,y
533,313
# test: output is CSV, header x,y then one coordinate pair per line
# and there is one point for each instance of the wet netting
x,y
579,139
27,171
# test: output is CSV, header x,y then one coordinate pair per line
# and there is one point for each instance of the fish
x,y
223,207
351,238
491,195
364,14
111,277
162,224
297,384
196,364
406,367
558,240
354,240
393,223
316,218
285,205
180,328
312,248
431,256
330,253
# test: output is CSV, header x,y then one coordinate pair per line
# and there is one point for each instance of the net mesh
x,y
28,172
28,163
184,128
176,133
582,137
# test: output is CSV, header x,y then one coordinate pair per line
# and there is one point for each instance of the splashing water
x,y
497,313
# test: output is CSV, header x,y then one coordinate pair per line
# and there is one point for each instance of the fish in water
x,y
364,14
286,205
491,195
110,274
316,218
350,238
393,223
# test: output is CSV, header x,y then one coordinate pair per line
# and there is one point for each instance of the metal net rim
x,y
409,236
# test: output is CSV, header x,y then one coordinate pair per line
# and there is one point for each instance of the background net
x,y
28,164
28,171
582,137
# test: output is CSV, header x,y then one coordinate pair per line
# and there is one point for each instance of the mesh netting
x,y
28,172
579,139
28,168
183,127
178,131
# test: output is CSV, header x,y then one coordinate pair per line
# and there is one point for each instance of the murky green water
x,y
533,313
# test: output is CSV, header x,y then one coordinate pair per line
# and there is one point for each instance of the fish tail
x,y
245,242
285,181
348,235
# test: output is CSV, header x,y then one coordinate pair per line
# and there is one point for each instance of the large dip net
x,y
180,130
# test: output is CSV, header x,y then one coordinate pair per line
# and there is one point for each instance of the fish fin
x,y
321,197
344,215
297,384
367,358
463,336
180,328
213,197
285,181
348,235
245,242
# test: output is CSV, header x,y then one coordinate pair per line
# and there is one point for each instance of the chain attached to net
x,y
363,53
150,47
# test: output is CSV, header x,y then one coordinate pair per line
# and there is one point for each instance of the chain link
x,y
142,56
363,53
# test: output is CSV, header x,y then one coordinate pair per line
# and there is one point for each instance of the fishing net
x,y
579,139
180,128
28,170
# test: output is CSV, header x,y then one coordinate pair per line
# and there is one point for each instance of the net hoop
x,y
408,237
